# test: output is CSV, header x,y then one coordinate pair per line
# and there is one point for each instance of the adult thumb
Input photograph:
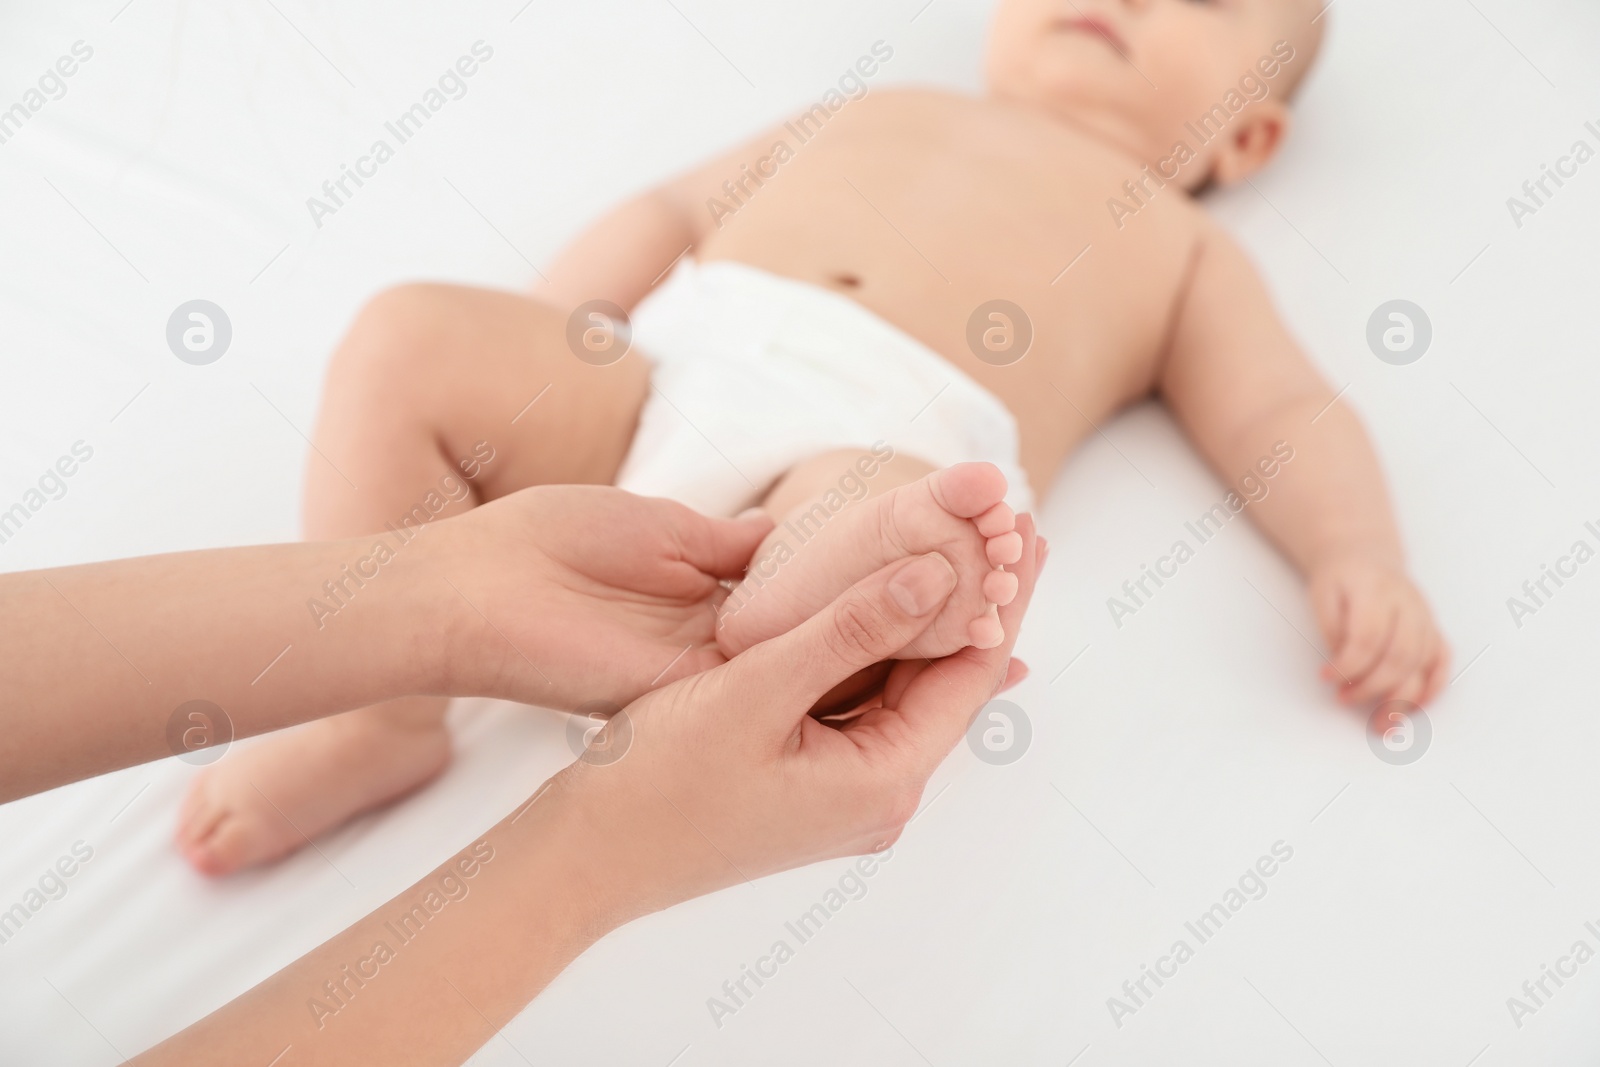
x,y
719,547
866,624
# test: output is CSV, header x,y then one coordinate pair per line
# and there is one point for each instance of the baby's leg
x,y
428,377
843,515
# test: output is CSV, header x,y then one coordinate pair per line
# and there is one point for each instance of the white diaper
x,y
754,373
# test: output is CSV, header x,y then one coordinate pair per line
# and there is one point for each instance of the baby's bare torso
x,y
921,206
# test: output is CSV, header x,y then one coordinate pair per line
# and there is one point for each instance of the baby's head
x,y
1135,72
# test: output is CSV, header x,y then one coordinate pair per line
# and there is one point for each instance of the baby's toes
x,y
222,850
1412,688
1007,548
985,631
197,817
1000,587
996,521
968,490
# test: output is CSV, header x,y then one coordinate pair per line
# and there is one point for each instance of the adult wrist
x,y
445,634
640,850
586,853
406,625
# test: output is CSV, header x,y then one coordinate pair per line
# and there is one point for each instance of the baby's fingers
x,y
1433,669
1414,689
1369,631
1401,665
1328,603
1438,674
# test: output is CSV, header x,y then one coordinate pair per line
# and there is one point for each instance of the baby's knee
x,y
393,336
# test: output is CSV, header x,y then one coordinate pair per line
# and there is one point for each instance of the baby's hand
x,y
1385,643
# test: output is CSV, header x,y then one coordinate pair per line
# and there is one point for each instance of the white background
x,y
1171,754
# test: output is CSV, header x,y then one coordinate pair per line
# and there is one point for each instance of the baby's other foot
x,y
268,799
814,555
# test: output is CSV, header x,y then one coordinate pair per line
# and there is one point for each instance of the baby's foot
x,y
265,800
806,562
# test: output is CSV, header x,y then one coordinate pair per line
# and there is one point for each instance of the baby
x,y
884,321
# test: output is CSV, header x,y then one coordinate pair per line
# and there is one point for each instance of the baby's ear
x,y
1251,143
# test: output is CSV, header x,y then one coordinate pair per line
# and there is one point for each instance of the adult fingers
x,y
869,622
1016,673
855,690
937,705
719,547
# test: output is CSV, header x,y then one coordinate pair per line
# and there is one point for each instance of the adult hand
x,y
565,594
726,777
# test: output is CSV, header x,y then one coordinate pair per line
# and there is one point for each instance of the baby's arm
x,y
624,254
1240,385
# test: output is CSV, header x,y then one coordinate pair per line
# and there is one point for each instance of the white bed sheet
x,y
1167,755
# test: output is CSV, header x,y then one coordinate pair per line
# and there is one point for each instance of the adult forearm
x,y
691,806
436,972
99,659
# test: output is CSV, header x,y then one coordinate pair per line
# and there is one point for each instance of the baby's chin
x,y
1070,91
1066,81
1102,119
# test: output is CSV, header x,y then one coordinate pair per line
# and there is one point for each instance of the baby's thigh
x,y
478,370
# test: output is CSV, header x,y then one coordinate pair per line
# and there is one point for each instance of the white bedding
x,y
1167,755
